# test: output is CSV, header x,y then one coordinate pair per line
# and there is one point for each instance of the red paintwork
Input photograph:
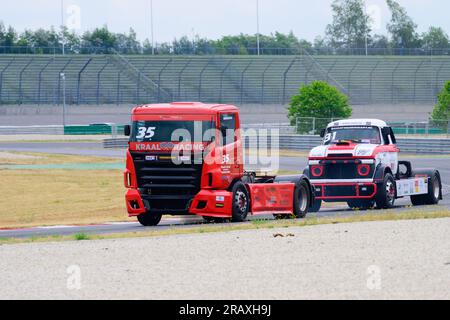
x,y
366,169
183,108
272,197
222,173
133,195
314,171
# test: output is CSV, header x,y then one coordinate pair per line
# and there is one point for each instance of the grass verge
x,y
34,158
254,225
53,197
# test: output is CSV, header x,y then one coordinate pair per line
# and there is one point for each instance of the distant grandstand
x,y
116,79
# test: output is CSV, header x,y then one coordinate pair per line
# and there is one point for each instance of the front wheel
x,y
241,202
149,219
386,194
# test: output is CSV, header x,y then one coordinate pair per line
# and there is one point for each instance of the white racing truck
x,y
358,163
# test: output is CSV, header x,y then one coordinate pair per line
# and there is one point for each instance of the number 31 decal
x,y
145,133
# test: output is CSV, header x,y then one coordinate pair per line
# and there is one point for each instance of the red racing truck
x,y
186,158
358,163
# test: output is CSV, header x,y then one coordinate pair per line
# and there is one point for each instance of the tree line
x,y
350,28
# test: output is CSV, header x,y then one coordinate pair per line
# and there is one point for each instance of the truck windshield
x,y
172,131
363,135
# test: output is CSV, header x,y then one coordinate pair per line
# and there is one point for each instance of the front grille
x,y
340,191
342,171
166,185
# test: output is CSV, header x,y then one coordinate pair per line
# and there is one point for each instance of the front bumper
x,y
345,191
211,203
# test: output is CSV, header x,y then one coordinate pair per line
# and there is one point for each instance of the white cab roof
x,y
358,122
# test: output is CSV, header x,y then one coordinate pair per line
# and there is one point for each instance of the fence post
x,y
371,81
393,79
159,78
415,78
221,79
118,89
242,81
283,99
20,80
180,74
58,100
349,79
263,80
98,80
1,77
200,80
314,126
40,79
438,73
79,80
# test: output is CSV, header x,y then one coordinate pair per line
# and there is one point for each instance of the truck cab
x,y
186,158
358,163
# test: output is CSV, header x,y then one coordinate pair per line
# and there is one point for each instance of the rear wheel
x,y
302,202
386,193
434,193
361,204
241,202
149,219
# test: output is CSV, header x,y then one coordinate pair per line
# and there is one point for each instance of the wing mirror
x,y
322,133
386,131
127,130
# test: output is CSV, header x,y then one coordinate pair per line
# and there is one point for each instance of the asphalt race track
x,y
286,163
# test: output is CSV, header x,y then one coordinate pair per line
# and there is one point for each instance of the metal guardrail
x,y
113,130
306,143
20,130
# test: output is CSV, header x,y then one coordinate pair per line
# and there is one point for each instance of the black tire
x,y
386,194
361,204
315,207
241,202
434,193
149,219
302,200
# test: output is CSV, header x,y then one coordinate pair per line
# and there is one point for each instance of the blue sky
x,y
207,18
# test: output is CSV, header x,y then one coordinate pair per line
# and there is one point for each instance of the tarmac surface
x,y
96,149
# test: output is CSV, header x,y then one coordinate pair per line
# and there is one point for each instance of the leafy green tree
x,y
318,100
8,38
127,43
435,38
402,27
183,46
71,40
441,112
101,38
350,26
379,42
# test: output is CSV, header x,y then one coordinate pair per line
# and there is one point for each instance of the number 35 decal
x,y
145,133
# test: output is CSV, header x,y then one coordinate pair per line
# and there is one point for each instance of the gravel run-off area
x,y
376,260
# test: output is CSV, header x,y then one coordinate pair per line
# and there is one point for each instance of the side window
x,y
228,128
